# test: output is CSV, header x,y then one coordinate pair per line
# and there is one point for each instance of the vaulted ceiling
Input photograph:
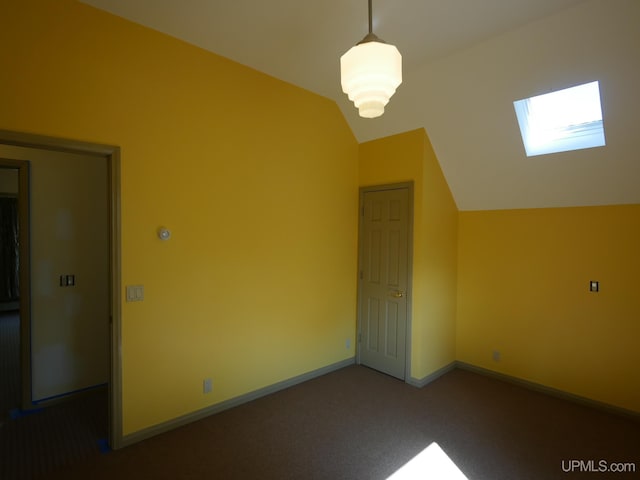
x,y
464,63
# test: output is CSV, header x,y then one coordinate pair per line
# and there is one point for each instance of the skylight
x,y
569,119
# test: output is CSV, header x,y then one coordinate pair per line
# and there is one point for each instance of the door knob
x,y
398,294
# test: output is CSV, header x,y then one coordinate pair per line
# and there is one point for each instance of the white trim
x,y
554,392
421,382
149,432
163,427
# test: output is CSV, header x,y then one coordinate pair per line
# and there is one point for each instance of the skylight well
x,y
569,119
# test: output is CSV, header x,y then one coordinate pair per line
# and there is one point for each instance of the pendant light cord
x,y
370,37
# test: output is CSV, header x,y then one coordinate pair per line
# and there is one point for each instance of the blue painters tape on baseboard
x,y
103,445
16,413
72,392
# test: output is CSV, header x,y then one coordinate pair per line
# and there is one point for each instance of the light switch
x,y
67,280
135,293
594,286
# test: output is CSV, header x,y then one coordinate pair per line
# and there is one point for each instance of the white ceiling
x,y
464,63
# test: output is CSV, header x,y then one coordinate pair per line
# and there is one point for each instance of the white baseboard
x,y
554,392
149,432
163,427
421,382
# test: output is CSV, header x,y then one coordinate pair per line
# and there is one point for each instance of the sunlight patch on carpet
x,y
432,462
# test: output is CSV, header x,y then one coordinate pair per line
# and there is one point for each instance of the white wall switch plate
x,y
135,293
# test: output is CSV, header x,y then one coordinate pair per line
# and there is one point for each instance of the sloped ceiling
x,y
464,63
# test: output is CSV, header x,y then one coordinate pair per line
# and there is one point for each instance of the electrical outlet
x,y
207,385
496,356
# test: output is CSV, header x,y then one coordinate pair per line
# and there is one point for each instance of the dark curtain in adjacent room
x,y
9,263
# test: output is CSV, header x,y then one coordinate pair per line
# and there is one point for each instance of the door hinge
x,y
361,274
362,211
359,338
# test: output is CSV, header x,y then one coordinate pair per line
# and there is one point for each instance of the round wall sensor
x,y
164,233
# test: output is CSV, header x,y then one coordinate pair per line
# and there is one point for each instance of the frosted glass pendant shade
x,y
370,73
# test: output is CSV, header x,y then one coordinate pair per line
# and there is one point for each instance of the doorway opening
x,y
110,157
14,301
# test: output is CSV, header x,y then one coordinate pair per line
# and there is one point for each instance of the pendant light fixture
x,y
370,72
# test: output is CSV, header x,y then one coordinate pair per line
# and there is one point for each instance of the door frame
x,y
378,188
112,155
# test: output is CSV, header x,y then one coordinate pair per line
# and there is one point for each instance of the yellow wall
x,y
437,265
257,180
523,283
410,157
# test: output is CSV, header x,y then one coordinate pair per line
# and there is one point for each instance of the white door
x,y
384,279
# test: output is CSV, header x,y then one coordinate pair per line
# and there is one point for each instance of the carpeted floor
x,y
356,423
37,443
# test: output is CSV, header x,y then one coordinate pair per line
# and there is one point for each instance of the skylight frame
x,y
561,121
